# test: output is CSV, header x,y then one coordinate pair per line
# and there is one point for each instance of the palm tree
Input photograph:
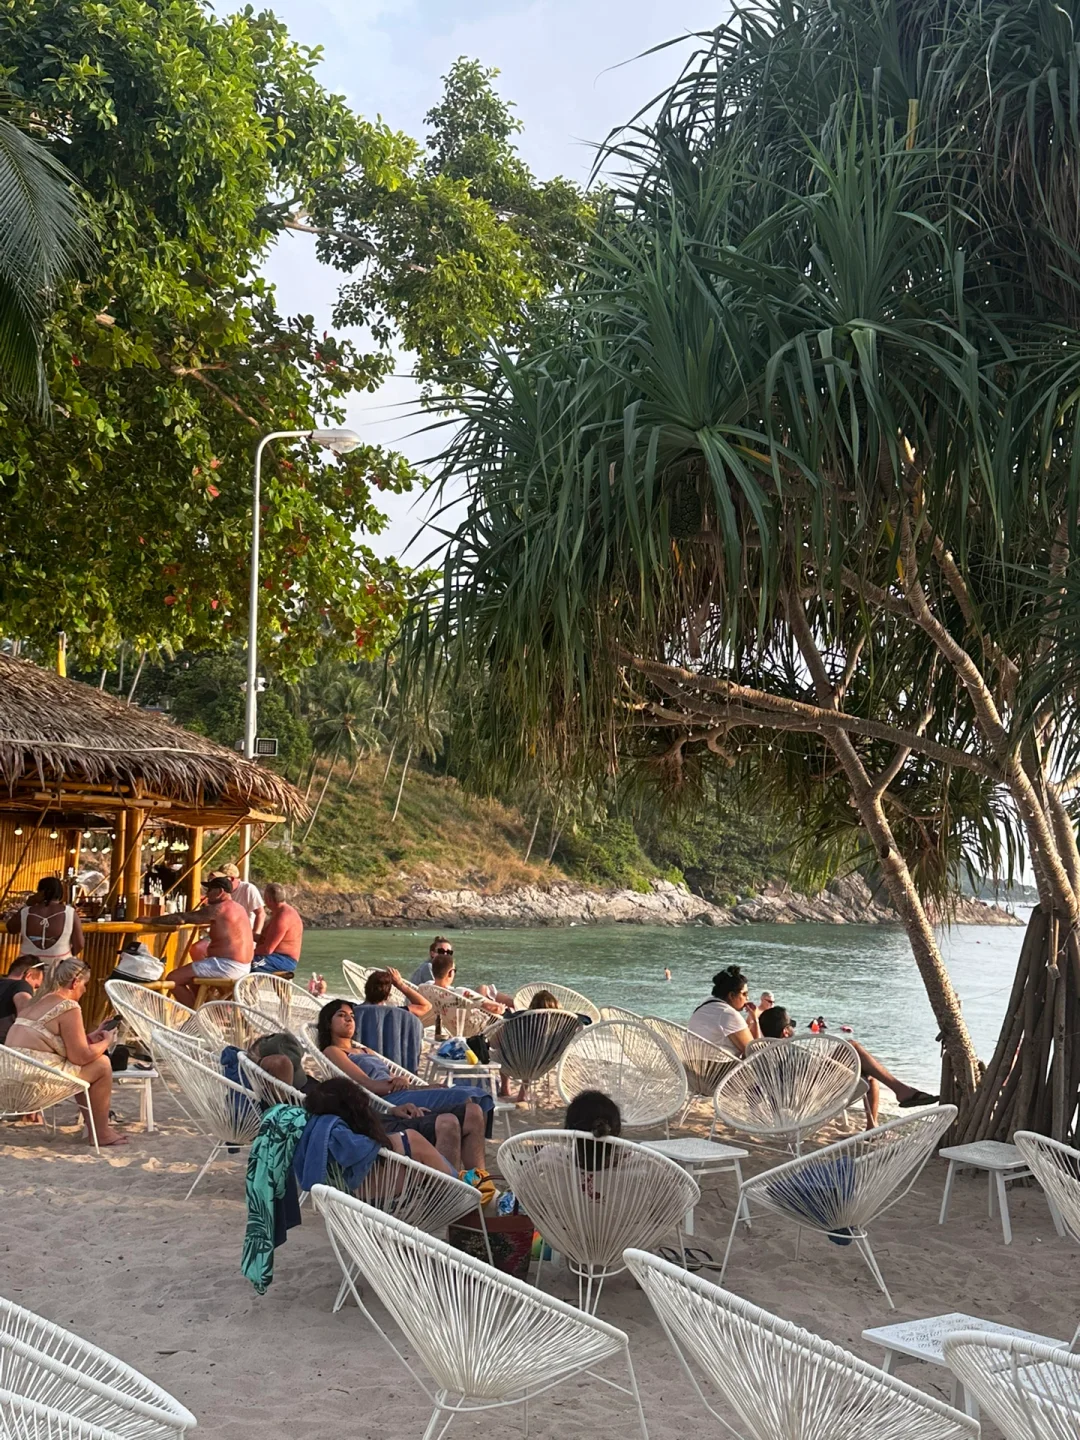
x,y
789,478
346,727
42,243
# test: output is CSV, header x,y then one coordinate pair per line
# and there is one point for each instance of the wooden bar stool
x,y
210,987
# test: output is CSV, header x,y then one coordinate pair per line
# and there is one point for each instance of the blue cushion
x,y
391,1030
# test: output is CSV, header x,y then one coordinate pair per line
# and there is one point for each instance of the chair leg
x,y
436,1426
214,1153
730,1242
742,1208
637,1397
1003,1206
868,1255
949,1174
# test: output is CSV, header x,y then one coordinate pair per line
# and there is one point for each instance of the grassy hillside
x,y
442,835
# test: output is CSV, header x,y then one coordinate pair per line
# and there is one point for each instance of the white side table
x,y
1001,1162
925,1340
461,1072
704,1157
140,1080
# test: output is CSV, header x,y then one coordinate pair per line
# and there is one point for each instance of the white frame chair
x,y
227,1113
540,1039
1030,1391
281,999
267,1089
138,1005
44,1363
568,999
485,1339
786,1089
419,1197
705,1063
22,1419
355,979
617,1012
1057,1169
27,1086
775,1379
227,1022
841,1188
639,1197
631,1064
454,1017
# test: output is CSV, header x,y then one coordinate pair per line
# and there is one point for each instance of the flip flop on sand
x,y
695,1259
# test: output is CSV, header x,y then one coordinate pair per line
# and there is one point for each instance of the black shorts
x,y
423,1124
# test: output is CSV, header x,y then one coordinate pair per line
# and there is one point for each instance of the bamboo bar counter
x,y
76,763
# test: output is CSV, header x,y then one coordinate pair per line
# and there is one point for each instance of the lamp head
x,y
339,441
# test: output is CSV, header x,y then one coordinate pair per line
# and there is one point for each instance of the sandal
x,y
919,1097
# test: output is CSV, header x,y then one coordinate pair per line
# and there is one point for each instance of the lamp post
x,y
340,442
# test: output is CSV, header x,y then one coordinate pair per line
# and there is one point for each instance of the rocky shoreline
x,y
849,901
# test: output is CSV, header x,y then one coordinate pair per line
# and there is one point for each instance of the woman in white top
x,y
729,1019
47,928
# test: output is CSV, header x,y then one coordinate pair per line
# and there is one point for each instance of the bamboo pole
x,y
116,865
132,862
194,868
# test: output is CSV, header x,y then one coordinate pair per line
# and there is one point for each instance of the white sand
x,y
110,1248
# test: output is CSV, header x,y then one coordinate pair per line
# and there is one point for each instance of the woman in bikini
x,y
50,1030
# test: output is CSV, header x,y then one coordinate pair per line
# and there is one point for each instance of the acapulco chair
x,y
636,1068
568,999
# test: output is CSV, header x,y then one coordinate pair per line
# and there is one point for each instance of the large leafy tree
x,y
197,140
793,484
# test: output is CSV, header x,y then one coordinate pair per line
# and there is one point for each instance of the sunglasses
x,y
442,952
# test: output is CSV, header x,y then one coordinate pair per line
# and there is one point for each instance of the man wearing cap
x,y
247,895
231,942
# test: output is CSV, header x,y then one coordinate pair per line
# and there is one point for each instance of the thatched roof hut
x,y
75,745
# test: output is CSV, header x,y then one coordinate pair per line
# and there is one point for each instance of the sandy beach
x,y
110,1248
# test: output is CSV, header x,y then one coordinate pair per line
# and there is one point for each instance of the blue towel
x,y
391,1030
328,1139
230,1068
819,1193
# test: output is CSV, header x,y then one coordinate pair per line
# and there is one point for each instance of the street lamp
x,y
340,442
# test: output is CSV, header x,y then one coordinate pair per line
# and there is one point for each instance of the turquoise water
x,y
858,975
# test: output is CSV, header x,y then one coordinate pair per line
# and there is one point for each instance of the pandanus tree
x,y
789,477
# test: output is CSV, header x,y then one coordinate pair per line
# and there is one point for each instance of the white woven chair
x,y
426,1199
39,1361
458,1013
530,1043
27,1086
484,1339
590,1199
356,978
226,1022
775,1381
226,1113
139,1005
1030,1391
841,1188
786,1089
616,1012
1057,1169
320,1068
637,1069
22,1419
705,1063
267,1089
568,999
277,998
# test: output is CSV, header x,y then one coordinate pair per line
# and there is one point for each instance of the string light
x,y
18,829
54,835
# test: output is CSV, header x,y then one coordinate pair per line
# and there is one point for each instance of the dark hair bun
x,y
726,982
601,1130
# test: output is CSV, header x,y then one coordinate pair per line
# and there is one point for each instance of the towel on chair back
x,y
392,1031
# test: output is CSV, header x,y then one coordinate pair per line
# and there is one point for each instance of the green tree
x,y
42,243
794,481
199,140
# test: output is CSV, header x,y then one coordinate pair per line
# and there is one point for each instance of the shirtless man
x,y
231,942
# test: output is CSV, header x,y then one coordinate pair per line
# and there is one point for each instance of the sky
x,y
574,69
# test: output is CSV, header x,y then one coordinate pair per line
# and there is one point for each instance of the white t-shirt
x,y
249,896
715,1021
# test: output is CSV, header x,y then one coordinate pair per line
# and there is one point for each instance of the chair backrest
x,y
391,1031
531,1042
29,1085
1030,1391
457,1013
589,1198
267,1089
849,1183
43,1362
568,999
705,1063
1057,1169
788,1087
773,1378
276,997
225,1110
226,1022
137,1005
22,1419
616,1012
625,1060
479,1333
416,1194
355,977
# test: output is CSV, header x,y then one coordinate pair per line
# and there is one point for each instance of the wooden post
x,y
116,867
194,860
133,868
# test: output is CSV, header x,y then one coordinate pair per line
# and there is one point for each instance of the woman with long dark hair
x,y
349,1103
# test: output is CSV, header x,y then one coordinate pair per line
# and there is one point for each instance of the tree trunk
x,y
138,675
352,772
532,837
322,794
556,836
389,762
401,787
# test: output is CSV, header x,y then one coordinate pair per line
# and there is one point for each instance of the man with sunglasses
x,y
438,948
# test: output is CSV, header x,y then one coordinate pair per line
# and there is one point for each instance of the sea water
x,y
858,975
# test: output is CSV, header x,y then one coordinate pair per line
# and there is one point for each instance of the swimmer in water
x,y
667,974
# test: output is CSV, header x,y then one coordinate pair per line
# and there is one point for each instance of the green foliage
x,y
608,853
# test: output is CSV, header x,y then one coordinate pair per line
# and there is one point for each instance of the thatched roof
x,y
54,730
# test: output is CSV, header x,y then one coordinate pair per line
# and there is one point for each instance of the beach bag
x,y
137,962
511,1238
